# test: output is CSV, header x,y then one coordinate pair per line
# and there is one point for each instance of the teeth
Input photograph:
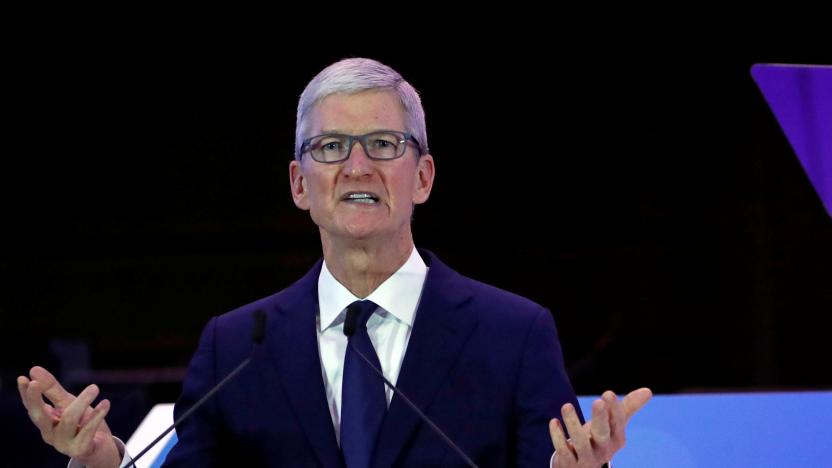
x,y
362,197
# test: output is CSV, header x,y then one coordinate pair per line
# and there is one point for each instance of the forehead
x,y
358,113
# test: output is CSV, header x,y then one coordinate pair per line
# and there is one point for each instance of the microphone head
x,y
258,333
351,321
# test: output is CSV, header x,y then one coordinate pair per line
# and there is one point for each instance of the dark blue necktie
x,y
363,401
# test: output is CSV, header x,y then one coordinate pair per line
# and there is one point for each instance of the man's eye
x,y
331,146
383,143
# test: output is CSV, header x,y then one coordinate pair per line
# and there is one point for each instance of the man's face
x,y
395,185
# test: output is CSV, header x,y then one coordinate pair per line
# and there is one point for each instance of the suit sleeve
x,y
198,436
542,388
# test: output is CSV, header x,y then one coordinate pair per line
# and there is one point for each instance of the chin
x,y
361,233
362,229
361,225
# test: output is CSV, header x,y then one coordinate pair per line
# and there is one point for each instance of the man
x,y
485,365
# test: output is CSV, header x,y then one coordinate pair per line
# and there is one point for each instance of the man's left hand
x,y
595,442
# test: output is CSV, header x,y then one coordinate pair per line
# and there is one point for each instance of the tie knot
x,y
361,310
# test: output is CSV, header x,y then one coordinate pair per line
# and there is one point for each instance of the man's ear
x,y
423,184
298,185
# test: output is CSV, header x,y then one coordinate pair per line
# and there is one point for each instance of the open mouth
x,y
360,197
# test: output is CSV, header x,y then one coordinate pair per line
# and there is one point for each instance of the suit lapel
x,y
293,346
439,334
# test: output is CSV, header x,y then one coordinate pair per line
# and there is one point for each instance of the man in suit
x,y
485,365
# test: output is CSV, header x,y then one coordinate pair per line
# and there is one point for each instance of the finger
x,y
84,440
50,387
71,417
616,413
562,448
88,414
22,386
577,434
635,400
600,425
39,412
86,418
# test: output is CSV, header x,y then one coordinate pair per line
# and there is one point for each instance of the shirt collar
x,y
399,294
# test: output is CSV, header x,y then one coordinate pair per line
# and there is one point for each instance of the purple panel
x,y
800,96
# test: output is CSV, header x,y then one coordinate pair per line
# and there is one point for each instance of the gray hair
x,y
353,75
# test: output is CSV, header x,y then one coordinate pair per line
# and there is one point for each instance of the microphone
x,y
258,333
350,324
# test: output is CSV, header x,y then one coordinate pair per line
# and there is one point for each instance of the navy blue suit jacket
x,y
484,364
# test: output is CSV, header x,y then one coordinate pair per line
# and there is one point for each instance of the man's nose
x,y
358,163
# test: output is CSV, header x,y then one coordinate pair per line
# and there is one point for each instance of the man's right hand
x,y
70,424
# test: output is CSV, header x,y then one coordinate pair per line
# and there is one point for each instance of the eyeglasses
x,y
380,145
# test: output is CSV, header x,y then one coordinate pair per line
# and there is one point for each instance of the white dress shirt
x,y
388,328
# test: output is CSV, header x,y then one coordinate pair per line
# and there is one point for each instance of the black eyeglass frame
x,y
403,138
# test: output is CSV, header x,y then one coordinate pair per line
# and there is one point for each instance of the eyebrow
x,y
326,131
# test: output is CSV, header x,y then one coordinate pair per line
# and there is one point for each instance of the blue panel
x,y
727,430
719,430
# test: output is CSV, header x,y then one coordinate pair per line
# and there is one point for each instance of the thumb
x,y
635,400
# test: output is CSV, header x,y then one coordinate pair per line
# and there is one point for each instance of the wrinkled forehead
x,y
356,113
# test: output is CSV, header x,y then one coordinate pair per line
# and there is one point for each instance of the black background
x,y
636,185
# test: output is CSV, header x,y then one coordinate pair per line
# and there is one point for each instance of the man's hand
x,y
69,424
594,443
